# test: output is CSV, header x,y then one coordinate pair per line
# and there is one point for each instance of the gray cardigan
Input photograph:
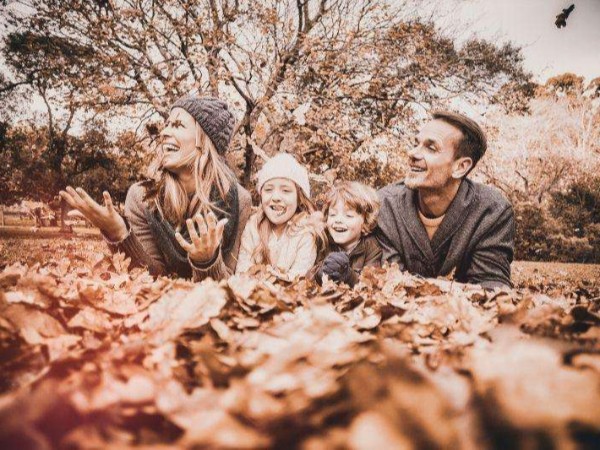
x,y
475,238
141,246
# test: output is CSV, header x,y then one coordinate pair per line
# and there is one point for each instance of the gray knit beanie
x,y
214,117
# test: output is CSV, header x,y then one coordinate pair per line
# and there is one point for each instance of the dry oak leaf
x,y
205,421
372,430
34,325
178,311
91,319
527,383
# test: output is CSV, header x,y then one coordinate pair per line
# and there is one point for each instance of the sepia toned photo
x,y
299,224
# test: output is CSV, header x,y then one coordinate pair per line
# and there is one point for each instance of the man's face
x,y
432,163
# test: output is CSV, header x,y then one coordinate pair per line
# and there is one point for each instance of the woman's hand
x,y
205,240
104,217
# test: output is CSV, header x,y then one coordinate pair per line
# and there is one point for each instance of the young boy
x,y
351,209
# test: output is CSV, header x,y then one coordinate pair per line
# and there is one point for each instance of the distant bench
x,y
48,233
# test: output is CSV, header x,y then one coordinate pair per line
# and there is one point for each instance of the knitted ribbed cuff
x,y
217,270
117,243
206,265
131,246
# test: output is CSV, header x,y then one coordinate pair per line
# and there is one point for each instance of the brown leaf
x,y
180,311
91,319
34,325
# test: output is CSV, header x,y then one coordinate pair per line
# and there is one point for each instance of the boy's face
x,y
345,224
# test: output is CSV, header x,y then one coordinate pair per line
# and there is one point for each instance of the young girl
x,y
351,209
286,232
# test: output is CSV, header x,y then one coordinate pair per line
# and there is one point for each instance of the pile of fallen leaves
x,y
93,355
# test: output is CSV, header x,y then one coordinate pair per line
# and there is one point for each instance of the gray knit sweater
x,y
141,246
475,238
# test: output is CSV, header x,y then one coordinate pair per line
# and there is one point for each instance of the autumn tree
x,y
90,160
537,154
369,97
360,70
544,161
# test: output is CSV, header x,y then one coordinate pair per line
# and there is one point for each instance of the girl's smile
x,y
279,200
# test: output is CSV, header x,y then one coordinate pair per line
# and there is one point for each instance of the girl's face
x,y
279,200
178,138
344,224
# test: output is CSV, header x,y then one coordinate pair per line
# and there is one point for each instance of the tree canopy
x,y
358,70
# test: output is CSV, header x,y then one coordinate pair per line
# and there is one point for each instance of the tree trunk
x,y
249,157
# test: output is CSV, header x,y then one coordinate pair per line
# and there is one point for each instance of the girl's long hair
x,y
305,219
209,169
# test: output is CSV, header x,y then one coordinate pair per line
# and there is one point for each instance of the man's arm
x,y
490,261
389,253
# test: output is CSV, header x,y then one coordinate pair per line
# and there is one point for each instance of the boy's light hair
x,y
360,197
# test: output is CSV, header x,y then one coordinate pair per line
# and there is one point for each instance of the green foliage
x,y
567,230
36,170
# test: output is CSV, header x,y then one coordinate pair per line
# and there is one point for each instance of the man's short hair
x,y
473,143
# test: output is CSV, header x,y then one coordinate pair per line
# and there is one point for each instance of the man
x,y
438,221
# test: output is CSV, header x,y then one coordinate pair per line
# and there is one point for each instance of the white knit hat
x,y
284,165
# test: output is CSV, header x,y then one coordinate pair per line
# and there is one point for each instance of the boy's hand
x,y
336,266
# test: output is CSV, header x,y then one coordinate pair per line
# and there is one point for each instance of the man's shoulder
x,y
392,190
489,195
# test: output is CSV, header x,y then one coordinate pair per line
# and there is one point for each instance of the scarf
x,y
175,257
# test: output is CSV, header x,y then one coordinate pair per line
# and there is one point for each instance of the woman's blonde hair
x,y
209,169
305,219
360,197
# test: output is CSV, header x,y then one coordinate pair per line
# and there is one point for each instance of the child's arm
x,y
247,247
306,256
373,253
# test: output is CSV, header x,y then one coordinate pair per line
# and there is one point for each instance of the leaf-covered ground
x,y
93,355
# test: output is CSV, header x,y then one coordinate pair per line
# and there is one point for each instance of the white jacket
x,y
293,254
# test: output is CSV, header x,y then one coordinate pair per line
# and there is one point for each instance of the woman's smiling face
x,y
279,200
178,137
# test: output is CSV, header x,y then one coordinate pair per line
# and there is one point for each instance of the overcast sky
x,y
548,51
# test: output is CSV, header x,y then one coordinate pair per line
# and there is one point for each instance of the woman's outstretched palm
x,y
205,240
104,217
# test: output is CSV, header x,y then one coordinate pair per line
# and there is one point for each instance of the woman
x,y
188,219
